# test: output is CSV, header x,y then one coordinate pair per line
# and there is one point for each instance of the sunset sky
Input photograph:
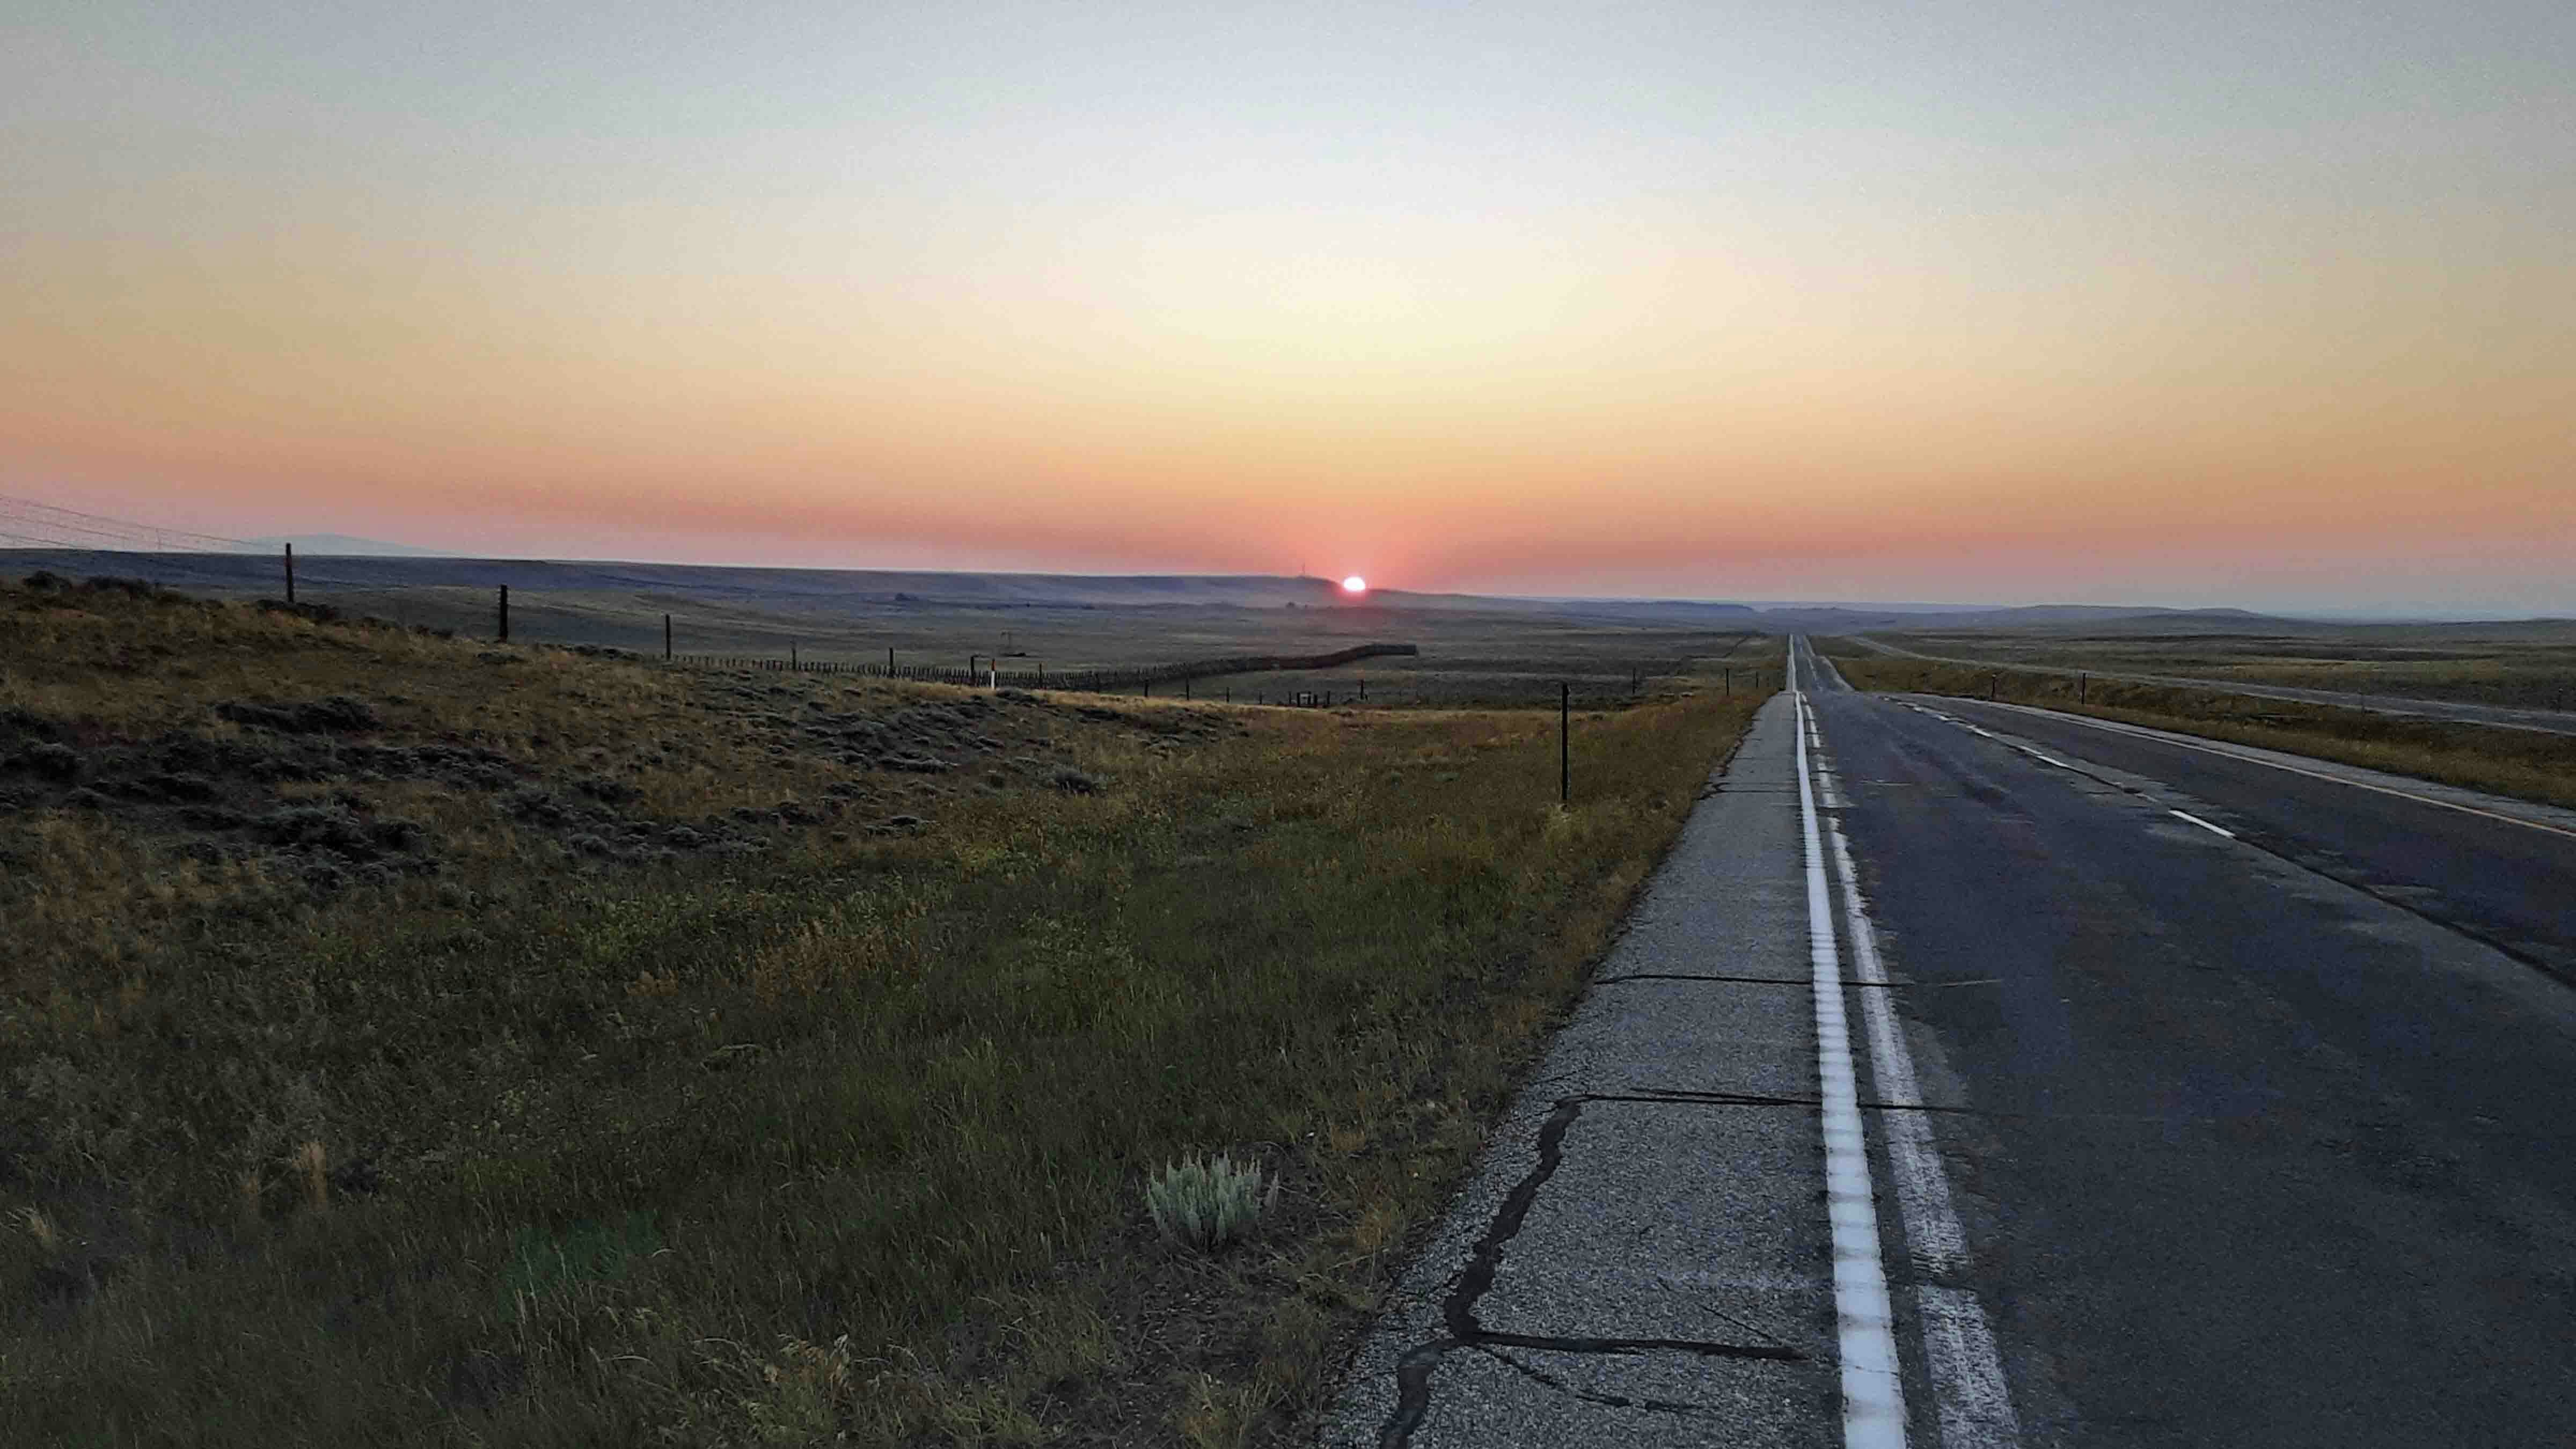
x,y
2266,304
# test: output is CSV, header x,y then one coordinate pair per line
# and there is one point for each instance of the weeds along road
x,y
2081,1121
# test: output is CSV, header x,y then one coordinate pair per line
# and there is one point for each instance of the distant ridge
x,y
346,562
342,545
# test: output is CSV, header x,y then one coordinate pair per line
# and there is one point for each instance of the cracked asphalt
x,y
2258,1140
1643,1255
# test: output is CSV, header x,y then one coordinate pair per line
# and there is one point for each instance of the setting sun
x,y
1355,585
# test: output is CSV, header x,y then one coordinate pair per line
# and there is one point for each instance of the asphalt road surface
x,y
2139,1094
2551,721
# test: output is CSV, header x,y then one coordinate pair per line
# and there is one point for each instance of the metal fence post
x,y
1564,749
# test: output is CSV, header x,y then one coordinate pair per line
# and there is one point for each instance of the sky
x,y
2260,304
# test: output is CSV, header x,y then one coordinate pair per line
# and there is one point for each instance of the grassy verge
x,y
2527,764
411,1042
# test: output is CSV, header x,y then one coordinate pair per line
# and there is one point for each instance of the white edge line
x,y
1975,1407
1873,1388
1970,1394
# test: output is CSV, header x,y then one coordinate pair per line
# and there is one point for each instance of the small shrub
x,y
1207,1205
1074,782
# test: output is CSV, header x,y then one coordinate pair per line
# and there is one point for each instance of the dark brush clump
x,y
337,714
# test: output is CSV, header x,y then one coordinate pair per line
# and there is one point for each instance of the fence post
x,y
505,613
290,573
1564,749
666,638
2079,686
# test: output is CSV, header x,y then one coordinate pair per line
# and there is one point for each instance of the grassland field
x,y
1475,653
415,1040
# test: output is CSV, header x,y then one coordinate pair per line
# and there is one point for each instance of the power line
x,y
23,520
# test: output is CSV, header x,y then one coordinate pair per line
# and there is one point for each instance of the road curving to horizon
x,y
2547,721
1974,1077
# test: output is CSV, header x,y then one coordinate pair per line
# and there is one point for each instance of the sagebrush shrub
x,y
1208,1204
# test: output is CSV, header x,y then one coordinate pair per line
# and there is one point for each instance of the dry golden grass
x,y
502,1138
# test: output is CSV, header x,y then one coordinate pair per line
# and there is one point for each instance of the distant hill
x,y
341,545
344,562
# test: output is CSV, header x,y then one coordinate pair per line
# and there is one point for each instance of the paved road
x,y
2172,1137
2550,721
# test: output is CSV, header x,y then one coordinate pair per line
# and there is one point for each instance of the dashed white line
x,y
2164,737
2203,824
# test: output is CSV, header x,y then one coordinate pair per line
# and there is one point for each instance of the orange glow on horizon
x,y
1499,305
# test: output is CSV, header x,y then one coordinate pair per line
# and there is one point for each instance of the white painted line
x,y
2203,824
1975,1405
2163,737
1873,1390
1968,1387
1932,1233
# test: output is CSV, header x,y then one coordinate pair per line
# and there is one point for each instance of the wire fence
x,y
448,600
475,599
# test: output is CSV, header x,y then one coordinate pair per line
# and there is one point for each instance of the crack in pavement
x,y
1542,1377
1458,1310
1661,1096
1787,980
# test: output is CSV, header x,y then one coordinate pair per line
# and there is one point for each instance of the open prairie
x,y
1474,651
418,1040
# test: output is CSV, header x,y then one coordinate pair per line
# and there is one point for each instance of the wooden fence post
x,y
505,613
290,573
1564,749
